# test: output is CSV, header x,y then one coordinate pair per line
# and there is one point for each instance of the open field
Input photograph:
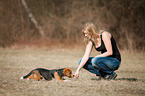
x,y
15,63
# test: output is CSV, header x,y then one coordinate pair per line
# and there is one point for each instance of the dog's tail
x,y
26,76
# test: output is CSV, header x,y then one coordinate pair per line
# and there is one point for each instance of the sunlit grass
x,y
16,63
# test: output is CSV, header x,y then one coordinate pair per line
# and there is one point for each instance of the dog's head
x,y
67,72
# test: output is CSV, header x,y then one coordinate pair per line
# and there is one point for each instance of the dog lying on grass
x,y
45,74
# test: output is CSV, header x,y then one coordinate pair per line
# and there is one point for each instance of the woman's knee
x,y
95,61
80,60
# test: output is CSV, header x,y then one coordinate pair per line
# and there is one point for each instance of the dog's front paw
x,y
66,80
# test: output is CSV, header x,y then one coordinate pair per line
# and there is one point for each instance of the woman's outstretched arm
x,y
85,58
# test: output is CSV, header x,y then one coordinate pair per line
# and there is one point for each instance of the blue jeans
x,y
101,66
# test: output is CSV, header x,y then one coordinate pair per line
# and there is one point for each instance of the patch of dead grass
x,y
17,63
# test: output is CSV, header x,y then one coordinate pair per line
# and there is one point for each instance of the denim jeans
x,y
101,66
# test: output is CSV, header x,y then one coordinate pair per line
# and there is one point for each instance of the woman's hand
x,y
77,74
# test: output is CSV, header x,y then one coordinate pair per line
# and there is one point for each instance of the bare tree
x,y
33,20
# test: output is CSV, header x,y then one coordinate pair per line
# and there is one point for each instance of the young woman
x,y
104,64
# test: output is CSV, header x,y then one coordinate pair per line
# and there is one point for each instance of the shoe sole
x,y
113,76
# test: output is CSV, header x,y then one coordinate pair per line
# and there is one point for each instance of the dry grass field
x,y
15,63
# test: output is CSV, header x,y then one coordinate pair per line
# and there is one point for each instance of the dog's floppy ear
x,y
67,72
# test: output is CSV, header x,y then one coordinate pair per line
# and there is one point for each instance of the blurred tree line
x,y
63,20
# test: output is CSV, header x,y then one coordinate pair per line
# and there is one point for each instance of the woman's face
x,y
86,34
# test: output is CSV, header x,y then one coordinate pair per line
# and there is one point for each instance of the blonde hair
x,y
91,29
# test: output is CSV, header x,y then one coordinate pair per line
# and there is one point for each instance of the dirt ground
x,y
15,63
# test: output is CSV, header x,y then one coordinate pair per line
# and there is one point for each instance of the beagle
x,y
41,73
